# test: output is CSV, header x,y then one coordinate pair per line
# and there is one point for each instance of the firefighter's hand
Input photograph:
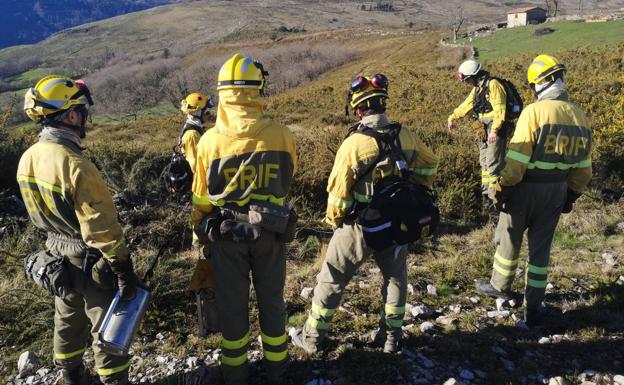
x,y
571,198
127,281
492,137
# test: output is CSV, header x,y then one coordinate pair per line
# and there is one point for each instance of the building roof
x,y
524,10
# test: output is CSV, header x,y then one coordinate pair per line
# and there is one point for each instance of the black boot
x,y
76,376
484,287
534,316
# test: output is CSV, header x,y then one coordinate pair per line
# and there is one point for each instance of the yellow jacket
x,y
552,141
189,142
355,156
65,194
496,96
245,157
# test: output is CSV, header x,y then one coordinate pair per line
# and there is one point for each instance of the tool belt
x,y
48,271
246,227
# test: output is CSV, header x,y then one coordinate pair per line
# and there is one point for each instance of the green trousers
x,y
535,207
346,252
492,156
79,314
236,265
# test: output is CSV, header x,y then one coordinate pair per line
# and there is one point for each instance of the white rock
x,y
609,259
422,311
466,374
544,340
549,287
451,381
513,303
374,270
43,372
588,383
161,359
160,337
618,379
500,303
307,292
498,314
558,381
410,289
475,300
445,320
27,364
427,327
431,290
620,226
292,332
455,309
191,362
30,380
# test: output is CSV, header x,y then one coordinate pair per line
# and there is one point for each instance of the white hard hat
x,y
468,68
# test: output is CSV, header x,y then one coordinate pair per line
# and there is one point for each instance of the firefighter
x,y
196,106
487,102
356,169
246,161
66,196
548,166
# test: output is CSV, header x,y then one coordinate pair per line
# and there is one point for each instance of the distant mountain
x,y
30,21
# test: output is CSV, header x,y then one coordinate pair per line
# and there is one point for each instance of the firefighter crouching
x,y
548,166
245,167
66,196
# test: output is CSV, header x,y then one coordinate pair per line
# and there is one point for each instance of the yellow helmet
x,y
195,103
54,94
542,67
364,88
241,72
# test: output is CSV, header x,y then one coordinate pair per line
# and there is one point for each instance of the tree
x,y
552,7
457,21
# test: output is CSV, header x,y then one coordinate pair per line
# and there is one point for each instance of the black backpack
x,y
513,101
400,209
178,174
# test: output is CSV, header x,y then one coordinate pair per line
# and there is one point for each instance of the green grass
x,y
568,35
31,76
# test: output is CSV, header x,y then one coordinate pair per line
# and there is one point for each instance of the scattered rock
x,y
620,226
410,289
161,359
431,290
501,304
588,383
549,287
451,381
191,362
618,379
609,261
374,270
513,303
445,320
466,374
30,380
558,381
27,364
422,311
160,337
455,308
307,292
542,341
498,314
427,327
43,372
500,351
474,300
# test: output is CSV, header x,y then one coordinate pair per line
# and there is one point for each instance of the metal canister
x,y
121,322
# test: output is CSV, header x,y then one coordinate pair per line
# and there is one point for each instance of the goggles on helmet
x,y
360,83
83,90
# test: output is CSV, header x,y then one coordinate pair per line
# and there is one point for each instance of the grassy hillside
x,y
586,295
568,34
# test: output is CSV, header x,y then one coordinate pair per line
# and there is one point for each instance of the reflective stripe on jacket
x,y
552,140
64,193
245,157
496,96
355,156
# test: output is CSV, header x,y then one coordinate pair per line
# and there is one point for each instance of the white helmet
x,y
467,69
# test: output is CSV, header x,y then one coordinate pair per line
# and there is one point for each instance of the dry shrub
x,y
451,58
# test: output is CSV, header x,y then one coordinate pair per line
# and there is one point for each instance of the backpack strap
x,y
187,127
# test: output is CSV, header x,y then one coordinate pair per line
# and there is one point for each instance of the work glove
x,y
102,274
127,281
571,197
208,229
500,195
